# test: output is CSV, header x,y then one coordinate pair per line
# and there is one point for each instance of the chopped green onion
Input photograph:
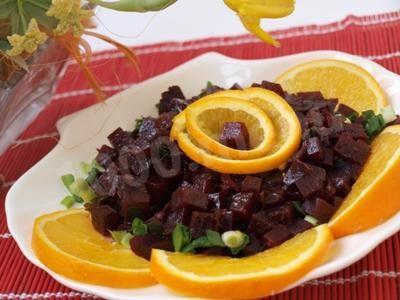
x,y
180,237
117,236
78,186
233,238
126,240
353,116
67,180
311,219
348,121
373,126
88,195
297,206
86,168
68,201
201,242
367,114
236,250
139,227
388,114
92,175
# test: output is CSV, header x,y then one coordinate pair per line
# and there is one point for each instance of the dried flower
x,y
70,15
28,42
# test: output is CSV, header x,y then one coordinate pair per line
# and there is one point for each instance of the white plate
x,y
39,190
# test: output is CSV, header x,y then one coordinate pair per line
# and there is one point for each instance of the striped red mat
x,y
377,276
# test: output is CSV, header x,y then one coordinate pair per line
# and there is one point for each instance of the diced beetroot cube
x,y
106,155
104,218
320,209
276,236
272,86
342,185
164,123
181,216
158,189
143,144
235,135
190,198
223,220
357,151
228,183
243,205
253,247
314,118
141,245
283,214
204,182
327,161
199,222
166,104
299,225
251,184
217,200
314,149
311,95
164,245
259,223
344,110
337,201
119,138
268,197
134,202
148,128
108,181
330,189
356,131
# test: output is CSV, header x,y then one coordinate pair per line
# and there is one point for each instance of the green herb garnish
x,y
297,206
311,219
180,237
139,227
68,201
353,116
211,239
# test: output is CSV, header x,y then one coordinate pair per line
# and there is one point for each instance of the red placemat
x,y
377,276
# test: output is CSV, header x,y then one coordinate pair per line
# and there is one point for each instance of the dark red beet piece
x,y
283,214
314,149
299,225
268,197
345,110
342,185
119,138
217,200
337,201
327,161
106,155
251,184
204,182
158,189
134,203
104,218
164,123
199,222
272,86
347,147
314,118
181,216
253,247
147,128
228,183
320,209
166,103
142,245
243,205
190,198
235,135
356,131
276,236
223,220
260,222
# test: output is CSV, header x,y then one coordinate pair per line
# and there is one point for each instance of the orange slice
x,y
205,120
66,242
374,197
284,120
256,276
349,83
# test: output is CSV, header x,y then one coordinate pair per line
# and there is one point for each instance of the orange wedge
x,y
66,242
349,83
284,120
254,276
374,197
205,119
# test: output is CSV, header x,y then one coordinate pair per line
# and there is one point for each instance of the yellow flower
x,y
70,15
28,42
252,11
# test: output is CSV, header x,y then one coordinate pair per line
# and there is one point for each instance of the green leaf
x,y
214,238
117,236
180,237
373,126
201,242
236,250
139,227
353,116
7,7
68,201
